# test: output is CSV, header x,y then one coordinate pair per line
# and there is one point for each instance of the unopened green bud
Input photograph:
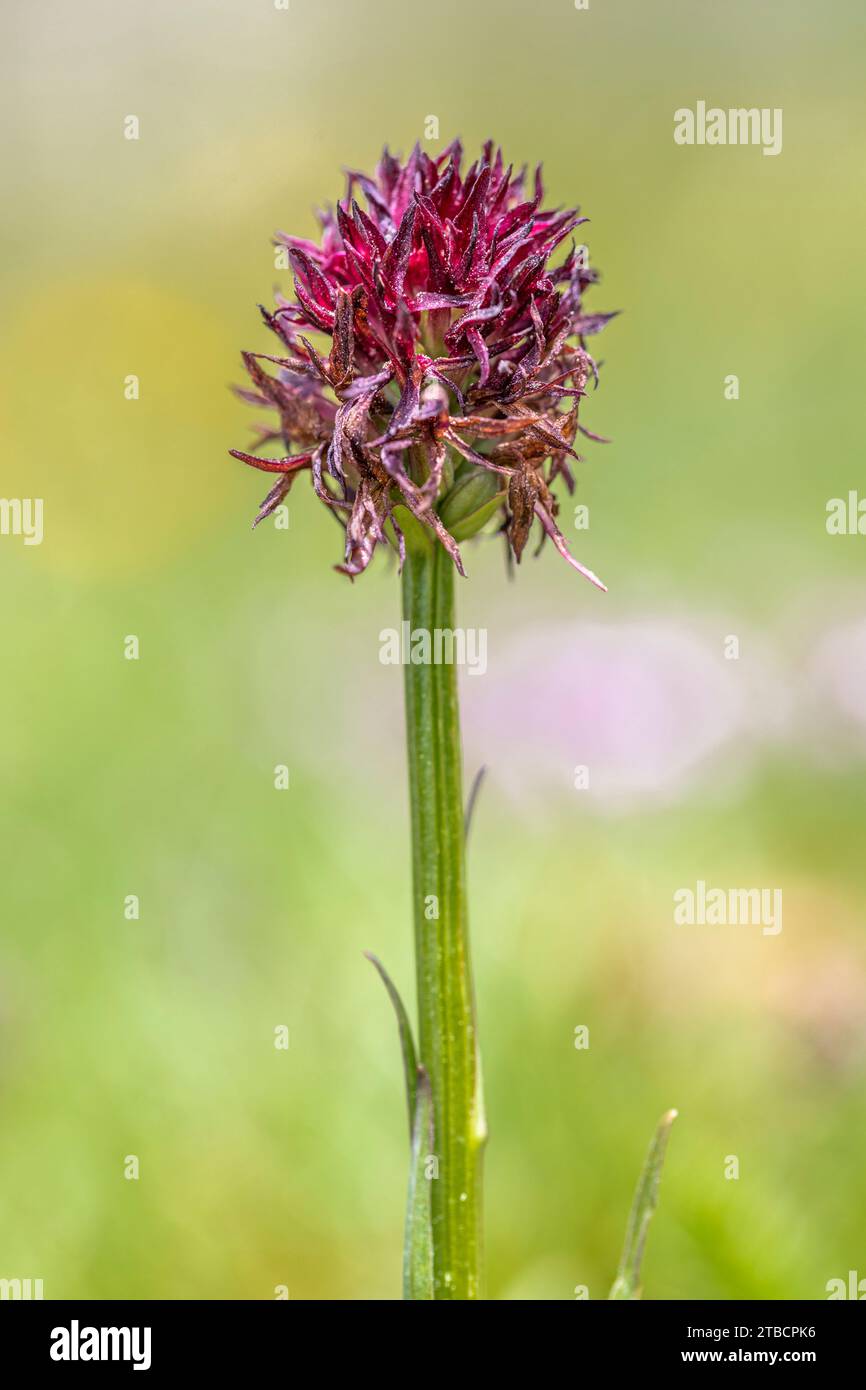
x,y
471,502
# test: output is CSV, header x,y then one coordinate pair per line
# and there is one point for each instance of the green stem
x,y
446,1010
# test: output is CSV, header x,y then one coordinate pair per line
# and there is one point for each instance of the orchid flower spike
x,y
432,362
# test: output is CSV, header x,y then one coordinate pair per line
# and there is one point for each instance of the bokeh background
x,y
155,777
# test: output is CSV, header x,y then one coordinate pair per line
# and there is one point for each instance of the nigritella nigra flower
x,y
450,385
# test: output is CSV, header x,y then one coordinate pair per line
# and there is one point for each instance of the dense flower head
x,y
451,357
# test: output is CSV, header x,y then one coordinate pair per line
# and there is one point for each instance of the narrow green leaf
x,y
627,1282
418,1250
473,798
407,1044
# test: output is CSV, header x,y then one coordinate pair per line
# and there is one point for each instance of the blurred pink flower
x,y
839,673
648,708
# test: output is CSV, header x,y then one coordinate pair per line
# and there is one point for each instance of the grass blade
x,y
418,1250
473,798
627,1282
407,1043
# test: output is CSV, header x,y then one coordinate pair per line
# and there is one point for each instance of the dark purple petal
x,y
396,261
286,465
592,323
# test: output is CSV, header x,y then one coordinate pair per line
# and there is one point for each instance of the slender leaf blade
x,y
418,1250
407,1042
627,1282
473,799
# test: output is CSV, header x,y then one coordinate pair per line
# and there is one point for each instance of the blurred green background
x,y
155,777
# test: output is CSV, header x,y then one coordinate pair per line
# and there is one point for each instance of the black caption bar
x,y
149,1340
